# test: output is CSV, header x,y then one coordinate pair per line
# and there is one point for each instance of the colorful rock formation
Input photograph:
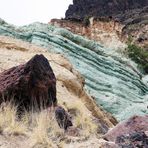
x,y
112,79
40,129
69,83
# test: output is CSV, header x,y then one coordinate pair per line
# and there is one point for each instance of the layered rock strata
x,y
113,80
108,34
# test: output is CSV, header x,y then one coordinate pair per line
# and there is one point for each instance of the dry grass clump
x,y
41,128
45,129
9,122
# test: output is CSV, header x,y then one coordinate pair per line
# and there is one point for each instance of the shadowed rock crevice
x,y
32,85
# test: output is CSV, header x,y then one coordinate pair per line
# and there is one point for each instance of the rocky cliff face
x,y
136,26
107,34
100,8
131,14
113,80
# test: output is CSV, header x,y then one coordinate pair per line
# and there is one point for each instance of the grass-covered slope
x,y
112,80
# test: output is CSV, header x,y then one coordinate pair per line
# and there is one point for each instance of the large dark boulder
x,y
31,85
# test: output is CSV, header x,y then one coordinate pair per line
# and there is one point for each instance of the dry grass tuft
x,y
41,128
45,126
82,119
8,120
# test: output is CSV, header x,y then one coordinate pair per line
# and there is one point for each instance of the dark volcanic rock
x,y
101,8
63,118
30,85
136,124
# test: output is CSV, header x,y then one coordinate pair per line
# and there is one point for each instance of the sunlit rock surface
x,y
110,78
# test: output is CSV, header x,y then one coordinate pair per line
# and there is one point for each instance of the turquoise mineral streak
x,y
111,78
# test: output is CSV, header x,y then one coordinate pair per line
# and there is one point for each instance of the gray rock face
x,y
112,79
136,26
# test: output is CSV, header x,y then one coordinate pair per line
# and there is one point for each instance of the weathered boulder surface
x,y
131,126
137,139
130,134
29,85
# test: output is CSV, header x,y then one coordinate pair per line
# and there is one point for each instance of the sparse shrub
x,y
138,54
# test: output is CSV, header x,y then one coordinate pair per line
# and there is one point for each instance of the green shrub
x,y
139,55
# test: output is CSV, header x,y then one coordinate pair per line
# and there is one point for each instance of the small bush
x,y
139,55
